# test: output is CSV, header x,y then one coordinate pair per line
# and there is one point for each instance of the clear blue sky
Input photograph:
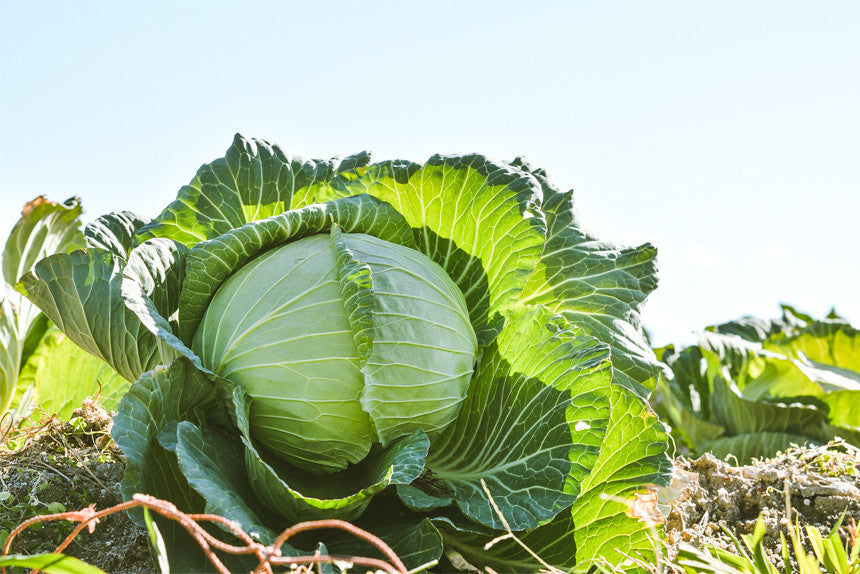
x,y
728,133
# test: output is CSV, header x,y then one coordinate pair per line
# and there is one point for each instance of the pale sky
x,y
726,133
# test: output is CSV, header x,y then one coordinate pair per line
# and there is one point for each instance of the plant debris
x,y
56,466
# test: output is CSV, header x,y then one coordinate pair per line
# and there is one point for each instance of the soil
x,y
61,466
76,464
816,485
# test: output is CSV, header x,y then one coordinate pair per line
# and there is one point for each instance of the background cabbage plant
x,y
753,387
38,364
453,324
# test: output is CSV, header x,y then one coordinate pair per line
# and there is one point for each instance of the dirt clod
x,y
821,482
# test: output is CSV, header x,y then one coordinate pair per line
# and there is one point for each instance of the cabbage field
x,y
435,365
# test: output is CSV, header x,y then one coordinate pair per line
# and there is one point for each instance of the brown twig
x,y
267,555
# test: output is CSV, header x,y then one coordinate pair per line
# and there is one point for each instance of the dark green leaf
x,y
254,181
299,495
81,293
114,232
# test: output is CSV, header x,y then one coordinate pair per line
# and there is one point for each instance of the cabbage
x,y
376,342
322,395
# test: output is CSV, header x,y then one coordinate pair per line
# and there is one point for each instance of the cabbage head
x,y
384,343
398,361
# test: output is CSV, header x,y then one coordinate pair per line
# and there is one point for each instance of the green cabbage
x,y
280,327
382,343
753,387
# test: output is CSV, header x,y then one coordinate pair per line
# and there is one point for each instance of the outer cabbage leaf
x,y
45,228
596,286
150,431
531,425
148,415
114,232
82,293
633,458
298,495
254,181
213,465
415,543
414,538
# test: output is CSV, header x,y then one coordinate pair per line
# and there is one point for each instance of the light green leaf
x,y
531,425
826,345
596,285
63,375
844,408
775,379
254,181
50,564
632,459
45,228
11,347
479,220
156,543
